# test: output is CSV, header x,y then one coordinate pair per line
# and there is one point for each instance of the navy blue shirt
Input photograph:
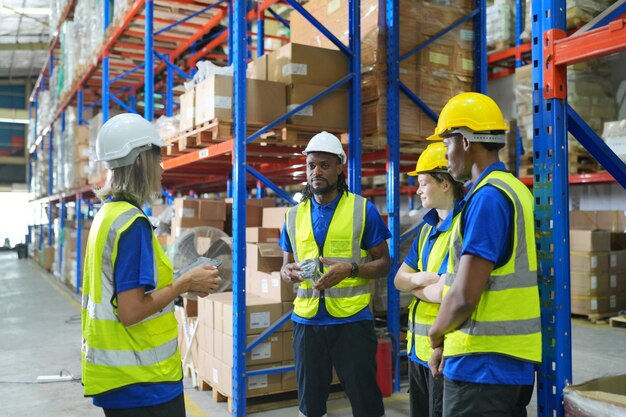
x,y
487,229
134,268
431,218
374,233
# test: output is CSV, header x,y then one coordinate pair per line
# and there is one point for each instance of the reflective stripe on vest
x,y
343,244
147,350
507,318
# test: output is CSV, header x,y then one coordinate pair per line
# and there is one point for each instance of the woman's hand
x,y
203,280
290,272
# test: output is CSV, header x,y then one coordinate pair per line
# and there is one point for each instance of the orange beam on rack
x,y
171,22
511,53
198,155
596,43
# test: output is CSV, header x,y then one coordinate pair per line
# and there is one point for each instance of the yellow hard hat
x,y
475,111
433,159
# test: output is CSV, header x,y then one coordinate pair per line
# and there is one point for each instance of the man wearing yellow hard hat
x,y
423,271
488,327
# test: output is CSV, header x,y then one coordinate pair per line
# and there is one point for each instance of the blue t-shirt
x,y
431,218
487,233
374,234
134,268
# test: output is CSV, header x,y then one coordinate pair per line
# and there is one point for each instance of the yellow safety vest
x,y
114,355
507,319
343,244
422,314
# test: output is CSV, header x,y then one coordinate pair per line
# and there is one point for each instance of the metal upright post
x,y
480,47
169,93
411,195
519,28
79,105
230,31
354,107
148,85
50,181
551,191
260,190
393,178
239,41
105,67
62,217
260,31
79,243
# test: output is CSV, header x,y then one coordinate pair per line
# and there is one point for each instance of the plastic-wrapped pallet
x,y
614,134
578,13
57,154
57,7
44,111
500,25
168,126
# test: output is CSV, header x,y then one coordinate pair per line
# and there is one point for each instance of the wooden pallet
x,y
595,318
618,321
264,402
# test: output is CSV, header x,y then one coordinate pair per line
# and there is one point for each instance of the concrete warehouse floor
x,y
41,336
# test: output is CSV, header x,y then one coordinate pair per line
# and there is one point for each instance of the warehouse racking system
x,y
275,166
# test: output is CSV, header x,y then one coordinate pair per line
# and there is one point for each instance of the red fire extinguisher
x,y
384,370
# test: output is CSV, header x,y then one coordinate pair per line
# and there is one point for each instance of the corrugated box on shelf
x,y
602,396
188,110
269,351
220,376
294,63
214,100
257,68
591,262
269,285
602,305
264,257
329,112
274,217
590,240
260,314
262,234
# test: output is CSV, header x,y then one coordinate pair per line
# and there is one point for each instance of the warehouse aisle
x,y
41,336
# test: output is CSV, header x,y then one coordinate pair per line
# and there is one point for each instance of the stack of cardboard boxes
x,y
598,262
435,73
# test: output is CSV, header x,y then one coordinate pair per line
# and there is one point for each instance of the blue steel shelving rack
x,y
394,86
552,51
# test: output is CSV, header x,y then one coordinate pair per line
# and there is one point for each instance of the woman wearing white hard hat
x,y
130,359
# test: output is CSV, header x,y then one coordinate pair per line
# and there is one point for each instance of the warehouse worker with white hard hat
x,y
130,359
423,272
488,327
334,243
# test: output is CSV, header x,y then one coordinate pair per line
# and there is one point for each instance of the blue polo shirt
x,y
486,225
134,268
431,218
374,233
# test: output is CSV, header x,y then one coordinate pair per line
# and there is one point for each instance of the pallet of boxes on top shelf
x,y
500,25
436,73
589,92
206,107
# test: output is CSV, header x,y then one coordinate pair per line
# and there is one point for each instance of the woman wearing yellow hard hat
x,y
422,271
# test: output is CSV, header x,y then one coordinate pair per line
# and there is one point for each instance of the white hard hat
x,y
326,142
123,137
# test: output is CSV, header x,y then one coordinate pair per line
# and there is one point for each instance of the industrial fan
x,y
203,242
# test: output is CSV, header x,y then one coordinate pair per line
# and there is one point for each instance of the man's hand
x,y
436,362
436,339
337,272
291,272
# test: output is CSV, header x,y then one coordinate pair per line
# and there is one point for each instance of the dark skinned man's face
x,y
322,172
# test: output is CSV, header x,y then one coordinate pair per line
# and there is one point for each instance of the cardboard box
x,y
294,63
269,285
330,112
214,100
179,226
596,397
257,68
590,240
268,351
289,381
288,308
614,221
274,217
618,241
584,283
264,257
288,346
589,262
260,314
188,110
186,208
206,339
597,304
212,209
254,211
262,234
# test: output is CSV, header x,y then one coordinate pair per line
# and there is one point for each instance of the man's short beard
x,y
319,191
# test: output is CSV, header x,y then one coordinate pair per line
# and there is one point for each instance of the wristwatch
x,y
355,270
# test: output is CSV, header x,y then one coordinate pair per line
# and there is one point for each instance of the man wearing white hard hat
x,y
334,243
130,359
